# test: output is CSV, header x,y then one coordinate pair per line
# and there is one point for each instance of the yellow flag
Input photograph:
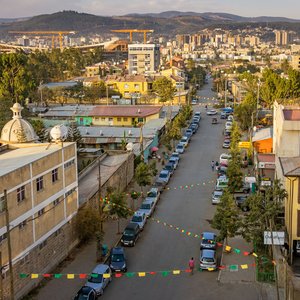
x,y
176,272
227,248
244,267
210,269
106,275
142,274
254,254
70,276
33,276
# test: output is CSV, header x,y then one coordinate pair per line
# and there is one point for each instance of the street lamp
x,y
257,100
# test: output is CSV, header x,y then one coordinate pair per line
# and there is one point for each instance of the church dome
x,y
18,130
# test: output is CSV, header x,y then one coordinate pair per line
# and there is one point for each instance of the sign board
x,y
266,183
245,145
266,165
250,179
278,238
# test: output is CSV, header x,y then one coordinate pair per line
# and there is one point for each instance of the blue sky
x,y
249,8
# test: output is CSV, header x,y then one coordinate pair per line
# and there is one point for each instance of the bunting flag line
x,y
164,273
227,248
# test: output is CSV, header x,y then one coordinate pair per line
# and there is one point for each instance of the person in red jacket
x,y
192,265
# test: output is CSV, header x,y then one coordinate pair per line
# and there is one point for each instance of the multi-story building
x,y
296,62
282,37
143,58
38,189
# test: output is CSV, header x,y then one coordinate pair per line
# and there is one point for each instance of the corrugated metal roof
x,y
290,166
266,157
263,134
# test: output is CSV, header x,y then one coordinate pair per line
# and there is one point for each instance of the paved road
x,y
162,248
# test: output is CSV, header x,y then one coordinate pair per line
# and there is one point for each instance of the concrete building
x,y
42,198
296,62
282,37
143,58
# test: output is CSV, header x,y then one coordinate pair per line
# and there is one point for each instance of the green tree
x,y
143,175
39,128
118,206
164,88
226,218
87,223
74,134
153,169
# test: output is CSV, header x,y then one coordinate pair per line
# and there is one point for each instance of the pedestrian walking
x,y
192,265
217,166
212,165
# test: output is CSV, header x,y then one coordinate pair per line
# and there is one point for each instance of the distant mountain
x,y
167,23
11,20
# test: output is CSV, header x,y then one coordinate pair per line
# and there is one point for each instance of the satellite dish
x,y
129,147
59,132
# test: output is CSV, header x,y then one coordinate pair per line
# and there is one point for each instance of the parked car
x,y
185,141
194,127
169,167
241,203
140,218
245,188
197,114
211,112
188,133
196,120
208,259
130,234
228,126
221,184
224,158
222,170
223,115
86,293
96,281
194,102
226,144
118,260
164,175
230,118
208,240
216,196
153,195
160,185
147,207
176,155
180,148
174,161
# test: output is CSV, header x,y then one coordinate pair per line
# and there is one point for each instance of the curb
x,y
221,262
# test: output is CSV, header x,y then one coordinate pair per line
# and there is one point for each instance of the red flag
x,y
152,273
118,275
46,275
82,276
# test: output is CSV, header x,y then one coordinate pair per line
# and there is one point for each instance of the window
x,y
21,193
119,119
136,86
40,183
22,224
102,119
140,120
54,175
56,202
69,163
110,119
68,193
126,86
57,232
125,119
41,212
2,203
3,237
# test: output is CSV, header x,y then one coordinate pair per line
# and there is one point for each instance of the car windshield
x,y
207,241
128,232
163,175
180,146
217,195
207,259
151,194
117,257
137,219
145,206
95,278
83,297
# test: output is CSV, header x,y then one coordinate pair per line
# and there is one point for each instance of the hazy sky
x,y
249,8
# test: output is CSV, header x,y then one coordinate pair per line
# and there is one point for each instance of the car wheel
x,y
101,292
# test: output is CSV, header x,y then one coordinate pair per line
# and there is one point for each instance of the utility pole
x,y
225,105
257,100
99,192
1,279
11,273
106,94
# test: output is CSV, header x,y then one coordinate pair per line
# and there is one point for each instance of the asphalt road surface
x,y
161,248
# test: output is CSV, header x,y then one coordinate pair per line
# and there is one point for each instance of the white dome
x,y
18,130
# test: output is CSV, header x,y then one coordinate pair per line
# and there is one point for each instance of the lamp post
x,y
257,100
225,104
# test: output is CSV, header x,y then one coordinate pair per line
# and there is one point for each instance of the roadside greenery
x,y
143,175
164,89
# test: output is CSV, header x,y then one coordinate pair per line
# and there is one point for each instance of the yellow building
x,y
130,85
38,188
123,115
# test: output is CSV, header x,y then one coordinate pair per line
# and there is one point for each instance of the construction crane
x,y
131,31
53,33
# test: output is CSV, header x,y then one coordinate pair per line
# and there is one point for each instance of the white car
x,y
194,102
153,195
140,218
224,158
185,141
176,155
174,161
211,112
228,125
147,207
180,148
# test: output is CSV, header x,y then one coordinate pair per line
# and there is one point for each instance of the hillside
x,y
166,23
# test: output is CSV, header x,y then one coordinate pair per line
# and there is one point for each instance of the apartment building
x,y
143,58
296,62
282,37
40,184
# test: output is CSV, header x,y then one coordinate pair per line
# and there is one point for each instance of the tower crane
x,y
131,31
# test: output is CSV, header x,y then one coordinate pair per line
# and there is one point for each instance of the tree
x,y
153,168
142,175
164,88
226,218
118,206
39,128
74,134
87,223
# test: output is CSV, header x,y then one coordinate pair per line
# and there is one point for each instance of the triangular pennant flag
x,y
246,253
233,267
237,251
129,274
182,230
142,274
57,276
228,248
23,275
165,273
176,272
82,276
152,273
254,254
70,276
187,270
219,245
34,276
244,267
222,267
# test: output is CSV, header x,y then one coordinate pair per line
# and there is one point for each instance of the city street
x,y
161,248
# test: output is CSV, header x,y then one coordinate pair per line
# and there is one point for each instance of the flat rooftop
x,y
13,159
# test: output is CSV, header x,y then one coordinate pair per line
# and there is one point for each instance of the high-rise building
x,y
143,58
282,37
